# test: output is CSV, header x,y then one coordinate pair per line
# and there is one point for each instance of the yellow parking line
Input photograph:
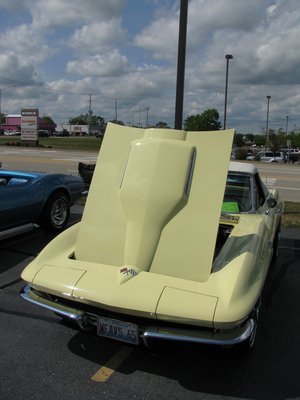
x,y
113,364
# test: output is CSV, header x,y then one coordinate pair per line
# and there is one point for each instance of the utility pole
x,y
0,109
227,58
89,114
116,110
147,110
267,122
181,63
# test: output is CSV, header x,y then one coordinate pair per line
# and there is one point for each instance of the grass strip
x,y
90,143
291,215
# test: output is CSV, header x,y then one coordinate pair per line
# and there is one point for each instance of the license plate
x,y
118,330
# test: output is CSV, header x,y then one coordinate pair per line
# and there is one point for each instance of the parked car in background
x,y
171,245
268,156
43,133
28,198
291,155
10,133
63,133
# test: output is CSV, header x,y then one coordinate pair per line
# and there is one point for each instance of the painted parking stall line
x,y
105,372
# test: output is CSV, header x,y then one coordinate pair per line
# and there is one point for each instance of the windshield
x,y
237,197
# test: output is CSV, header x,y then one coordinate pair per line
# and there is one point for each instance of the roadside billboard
x,y
29,125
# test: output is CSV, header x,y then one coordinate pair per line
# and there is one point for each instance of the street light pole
x,y
287,124
267,122
90,114
0,109
181,64
116,110
227,58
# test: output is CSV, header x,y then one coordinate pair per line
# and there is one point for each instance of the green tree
x,y
79,120
238,140
207,121
2,119
161,124
86,119
249,137
117,122
274,141
48,119
295,139
259,140
241,153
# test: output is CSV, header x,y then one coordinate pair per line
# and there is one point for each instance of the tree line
x,y
205,121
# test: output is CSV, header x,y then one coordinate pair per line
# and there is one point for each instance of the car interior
x,y
237,197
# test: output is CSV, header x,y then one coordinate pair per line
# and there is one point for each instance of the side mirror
x,y
271,202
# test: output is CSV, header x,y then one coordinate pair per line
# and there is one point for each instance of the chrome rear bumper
x,y
149,333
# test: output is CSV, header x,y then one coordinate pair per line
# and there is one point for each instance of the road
x,y
46,160
285,177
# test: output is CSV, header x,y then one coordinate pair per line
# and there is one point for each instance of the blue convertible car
x,y
36,198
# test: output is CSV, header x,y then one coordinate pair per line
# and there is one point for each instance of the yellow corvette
x,y
175,242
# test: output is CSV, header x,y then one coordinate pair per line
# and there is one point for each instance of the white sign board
x,y
29,124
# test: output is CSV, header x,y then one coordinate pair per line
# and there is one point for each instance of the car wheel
x,y
56,213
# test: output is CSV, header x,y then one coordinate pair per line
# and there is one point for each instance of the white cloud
x,y
97,37
107,64
75,48
160,38
67,12
25,44
15,73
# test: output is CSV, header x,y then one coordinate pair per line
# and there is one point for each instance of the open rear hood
x,y
154,202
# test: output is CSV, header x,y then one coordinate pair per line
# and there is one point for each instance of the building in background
x,y
13,124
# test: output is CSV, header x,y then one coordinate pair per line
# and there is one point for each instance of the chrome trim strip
x,y
189,177
220,339
17,231
225,338
25,294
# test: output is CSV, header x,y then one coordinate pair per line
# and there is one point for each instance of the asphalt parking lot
x,y
41,358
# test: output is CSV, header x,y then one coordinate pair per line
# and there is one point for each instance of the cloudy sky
x,y
122,54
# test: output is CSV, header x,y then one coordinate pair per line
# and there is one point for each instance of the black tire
x,y
56,213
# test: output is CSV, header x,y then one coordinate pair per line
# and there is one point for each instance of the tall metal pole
x,y
287,124
0,109
89,114
227,58
181,63
267,123
147,115
116,110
